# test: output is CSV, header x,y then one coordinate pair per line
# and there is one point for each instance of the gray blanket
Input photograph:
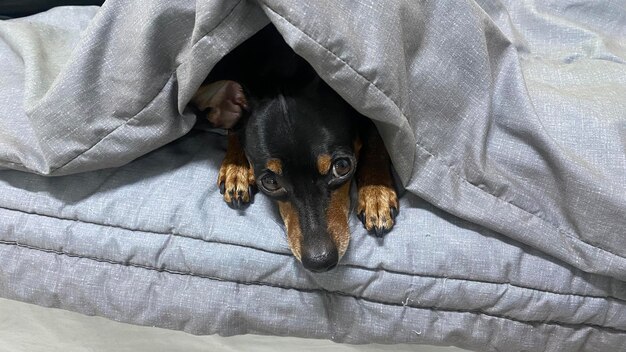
x,y
505,120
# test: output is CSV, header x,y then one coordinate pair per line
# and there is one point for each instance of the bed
x,y
505,121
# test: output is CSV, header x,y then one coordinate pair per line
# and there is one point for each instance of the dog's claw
x,y
361,217
394,213
380,231
222,188
238,199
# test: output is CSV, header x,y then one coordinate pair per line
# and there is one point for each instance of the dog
x,y
297,141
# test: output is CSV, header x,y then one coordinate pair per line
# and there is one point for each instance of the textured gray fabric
x,y
483,150
506,114
79,101
152,243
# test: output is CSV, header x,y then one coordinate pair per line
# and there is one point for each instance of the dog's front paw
x,y
236,182
378,208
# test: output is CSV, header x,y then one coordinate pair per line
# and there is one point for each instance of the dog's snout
x,y
320,260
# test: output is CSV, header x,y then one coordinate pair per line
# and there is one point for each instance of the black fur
x,y
293,116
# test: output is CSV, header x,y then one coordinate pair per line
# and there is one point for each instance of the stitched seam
x,y
354,266
479,281
380,91
316,290
172,76
147,231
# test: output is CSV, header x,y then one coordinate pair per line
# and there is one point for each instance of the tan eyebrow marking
x,y
323,163
275,166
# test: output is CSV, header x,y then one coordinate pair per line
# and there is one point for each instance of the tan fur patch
x,y
235,172
377,195
292,224
337,217
323,163
376,201
275,166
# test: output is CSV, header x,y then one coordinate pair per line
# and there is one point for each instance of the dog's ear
x,y
224,102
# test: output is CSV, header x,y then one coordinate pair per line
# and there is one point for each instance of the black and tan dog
x,y
295,139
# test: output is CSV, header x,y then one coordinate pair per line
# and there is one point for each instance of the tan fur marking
x,y
377,195
376,202
337,216
292,224
235,172
324,162
275,166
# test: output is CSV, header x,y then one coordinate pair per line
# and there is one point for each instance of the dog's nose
x,y
320,261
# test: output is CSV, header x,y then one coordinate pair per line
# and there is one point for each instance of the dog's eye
x,y
270,183
341,167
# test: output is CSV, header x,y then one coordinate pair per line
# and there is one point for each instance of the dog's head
x,y
303,146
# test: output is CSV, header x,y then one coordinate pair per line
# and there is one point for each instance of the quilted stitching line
x,y
172,76
440,161
318,290
354,266
125,228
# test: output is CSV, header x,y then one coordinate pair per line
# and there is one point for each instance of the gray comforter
x,y
505,120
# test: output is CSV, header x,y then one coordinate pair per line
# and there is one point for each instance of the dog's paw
x,y
236,182
378,208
